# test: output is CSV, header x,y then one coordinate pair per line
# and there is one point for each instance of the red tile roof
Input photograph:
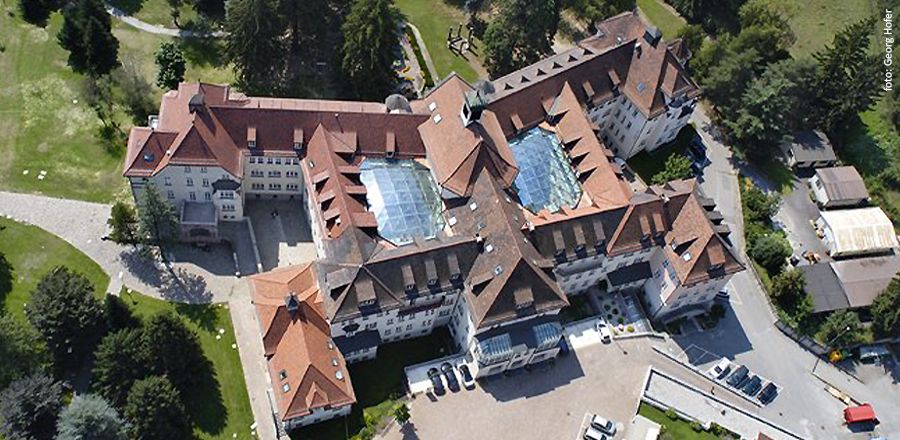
x,y
308,372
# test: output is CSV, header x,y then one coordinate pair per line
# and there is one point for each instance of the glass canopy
x,y
403,197
495,349
545,179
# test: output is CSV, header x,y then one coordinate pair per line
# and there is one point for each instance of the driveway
x,y
794,213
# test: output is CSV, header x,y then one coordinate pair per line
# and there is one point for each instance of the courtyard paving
x,y
282,231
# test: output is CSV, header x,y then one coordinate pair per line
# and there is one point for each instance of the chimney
x,y
473,107
637,49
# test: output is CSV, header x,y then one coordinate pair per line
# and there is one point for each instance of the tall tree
x,y
255,45
65,311
692,35
155,411
37,12
21,349
678,166
774,105
771,252
170,66
173,350
307,21
119,361
123,221
521,35
29,408
156,217
841,328
849,76
886,310
370,38
593,11
91,417
87,35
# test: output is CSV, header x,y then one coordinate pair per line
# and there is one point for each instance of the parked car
x,y
738,376
592,433
723,294
618,161
752,386
603,425
768,393
450,374
436,382
721,369
467,379
603,328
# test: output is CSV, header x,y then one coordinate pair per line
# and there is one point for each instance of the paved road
x,y
794,213
159,30
749,336
83,223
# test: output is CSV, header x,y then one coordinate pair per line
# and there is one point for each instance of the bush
x,y
771,252
670,413
696,426
630,329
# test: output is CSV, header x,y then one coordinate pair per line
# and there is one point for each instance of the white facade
x,y
665,294
627,131
317,415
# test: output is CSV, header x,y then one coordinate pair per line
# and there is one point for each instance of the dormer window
x,y
580,250
251,137
560,255
298,139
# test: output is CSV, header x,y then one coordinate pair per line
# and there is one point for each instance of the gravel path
x,y
159,30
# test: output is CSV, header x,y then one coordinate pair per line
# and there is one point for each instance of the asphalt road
x,y
748,334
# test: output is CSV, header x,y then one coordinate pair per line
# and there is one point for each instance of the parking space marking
x,y
584,421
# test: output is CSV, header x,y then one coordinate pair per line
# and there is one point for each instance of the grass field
x,y
220,408
661,17
434,18
678,429
45,124
815,22
32,253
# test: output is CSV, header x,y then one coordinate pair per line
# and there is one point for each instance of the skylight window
x,y
546,179
404,199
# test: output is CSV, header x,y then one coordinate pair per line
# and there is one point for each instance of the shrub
x,y
620,320
670,413
696,426
630,329
770,252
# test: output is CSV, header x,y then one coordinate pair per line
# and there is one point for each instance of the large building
x,y
479,207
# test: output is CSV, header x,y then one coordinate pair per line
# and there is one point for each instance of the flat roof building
x,y
809,149
848,284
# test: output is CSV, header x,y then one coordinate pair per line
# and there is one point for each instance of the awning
x,y
862,413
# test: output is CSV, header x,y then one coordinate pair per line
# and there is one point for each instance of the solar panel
x,y
545,179
403,197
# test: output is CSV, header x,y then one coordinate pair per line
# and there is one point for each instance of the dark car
x,y
752,386
450,374
768,393
436,382
738,376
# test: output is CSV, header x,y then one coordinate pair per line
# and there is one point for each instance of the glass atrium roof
x,y
545,179
403,197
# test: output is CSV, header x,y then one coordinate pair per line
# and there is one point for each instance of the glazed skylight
x,y
545,179
403,197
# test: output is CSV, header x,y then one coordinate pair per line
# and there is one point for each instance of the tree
x,y
772,15
157,220
401,413
91,417
255,45
521,35
87,35
841,328
118,315
370,37
770,251
155,411
29,408
37,12
759,207
308,22
849,76
692,36
774,105
593,11
173,350
134,92
170,66
788,285
123,222
119,361
66,313
21,348
678,166
886,310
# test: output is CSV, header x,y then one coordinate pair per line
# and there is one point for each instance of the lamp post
x,y
818,358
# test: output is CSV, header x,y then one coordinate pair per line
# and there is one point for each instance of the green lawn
x,y
45,124
220,407
661,17
678,429
156,11
434,18
647,164
815,22
378,384
32,253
